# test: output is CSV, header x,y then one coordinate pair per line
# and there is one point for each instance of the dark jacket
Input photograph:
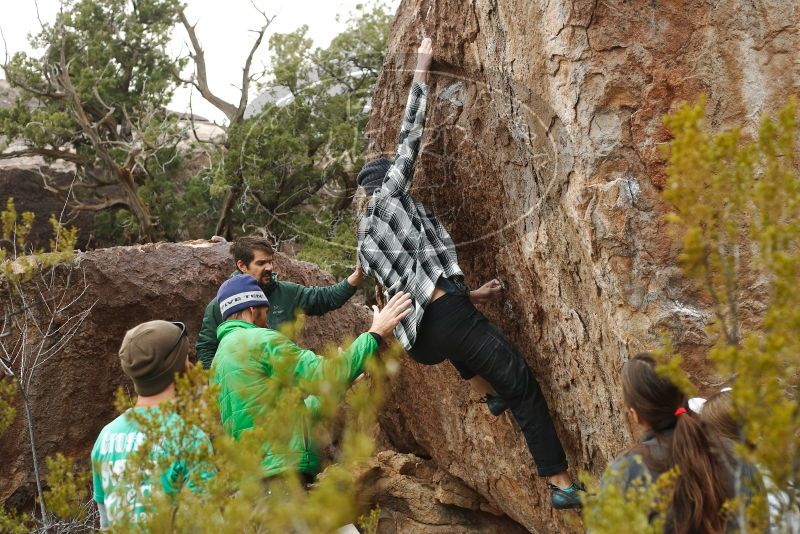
x,y
286,300
630,470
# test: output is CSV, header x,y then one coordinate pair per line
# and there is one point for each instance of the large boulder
x,y
541,156
22,179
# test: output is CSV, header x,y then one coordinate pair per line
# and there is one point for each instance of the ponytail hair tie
x,y
680,411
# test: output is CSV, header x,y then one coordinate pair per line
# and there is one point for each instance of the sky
x,y
223,29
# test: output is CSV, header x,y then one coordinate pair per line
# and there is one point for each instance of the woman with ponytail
x,y
675,437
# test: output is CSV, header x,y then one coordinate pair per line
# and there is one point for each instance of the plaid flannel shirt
x,y
400,243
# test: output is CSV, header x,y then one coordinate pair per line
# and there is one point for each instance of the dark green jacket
x,y
286,300
247,362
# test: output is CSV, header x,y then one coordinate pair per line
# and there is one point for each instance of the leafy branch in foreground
x,y
737,204
642,508
737,209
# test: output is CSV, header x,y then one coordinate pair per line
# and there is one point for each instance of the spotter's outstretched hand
x,y
384,321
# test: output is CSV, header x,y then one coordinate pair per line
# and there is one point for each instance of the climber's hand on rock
x,y
424,54
384,321
424,58
488,292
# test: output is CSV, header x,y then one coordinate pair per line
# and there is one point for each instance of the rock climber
x,y
256,256
249,359
406,248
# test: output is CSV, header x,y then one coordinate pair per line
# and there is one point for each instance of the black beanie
x,y
372,174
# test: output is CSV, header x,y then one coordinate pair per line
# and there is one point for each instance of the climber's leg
x,y
454,327
492,355
425,352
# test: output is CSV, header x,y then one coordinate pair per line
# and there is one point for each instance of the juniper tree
x,y
94,95
295,159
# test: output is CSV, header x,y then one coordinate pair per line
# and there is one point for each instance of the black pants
x,y
453,329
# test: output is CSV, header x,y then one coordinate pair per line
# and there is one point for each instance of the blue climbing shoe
x,y
495,403
564,499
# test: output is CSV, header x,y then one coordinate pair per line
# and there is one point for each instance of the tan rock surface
x,y
415,496
541,156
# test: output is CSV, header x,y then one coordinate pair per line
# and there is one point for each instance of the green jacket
x,y
285,299
244,368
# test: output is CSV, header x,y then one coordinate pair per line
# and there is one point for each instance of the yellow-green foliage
x,y
15,229
68,488
670,366
226,492
17,261
369,522
12,523
8,390
737,205
641,508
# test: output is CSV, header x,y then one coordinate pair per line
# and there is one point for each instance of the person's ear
x,y
635,414
241,266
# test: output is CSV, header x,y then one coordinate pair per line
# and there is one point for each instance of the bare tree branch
x,y
52,153
194,128
5,46
248,63
201,75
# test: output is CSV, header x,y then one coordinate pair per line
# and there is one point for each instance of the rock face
x,y
541,156
417,496
22,181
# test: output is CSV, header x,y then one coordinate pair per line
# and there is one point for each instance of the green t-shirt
x,y
116,443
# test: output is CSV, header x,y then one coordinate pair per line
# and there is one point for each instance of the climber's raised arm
x,y
394,177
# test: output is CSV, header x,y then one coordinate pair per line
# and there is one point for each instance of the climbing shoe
x,y
495,404
564,499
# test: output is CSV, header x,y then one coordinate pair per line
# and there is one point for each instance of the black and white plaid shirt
x,y
400,243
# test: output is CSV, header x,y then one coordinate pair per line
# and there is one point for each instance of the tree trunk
x,y
136,204
223,227
345,199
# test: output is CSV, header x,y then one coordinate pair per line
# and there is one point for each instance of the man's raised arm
x,y
400,174
346,367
